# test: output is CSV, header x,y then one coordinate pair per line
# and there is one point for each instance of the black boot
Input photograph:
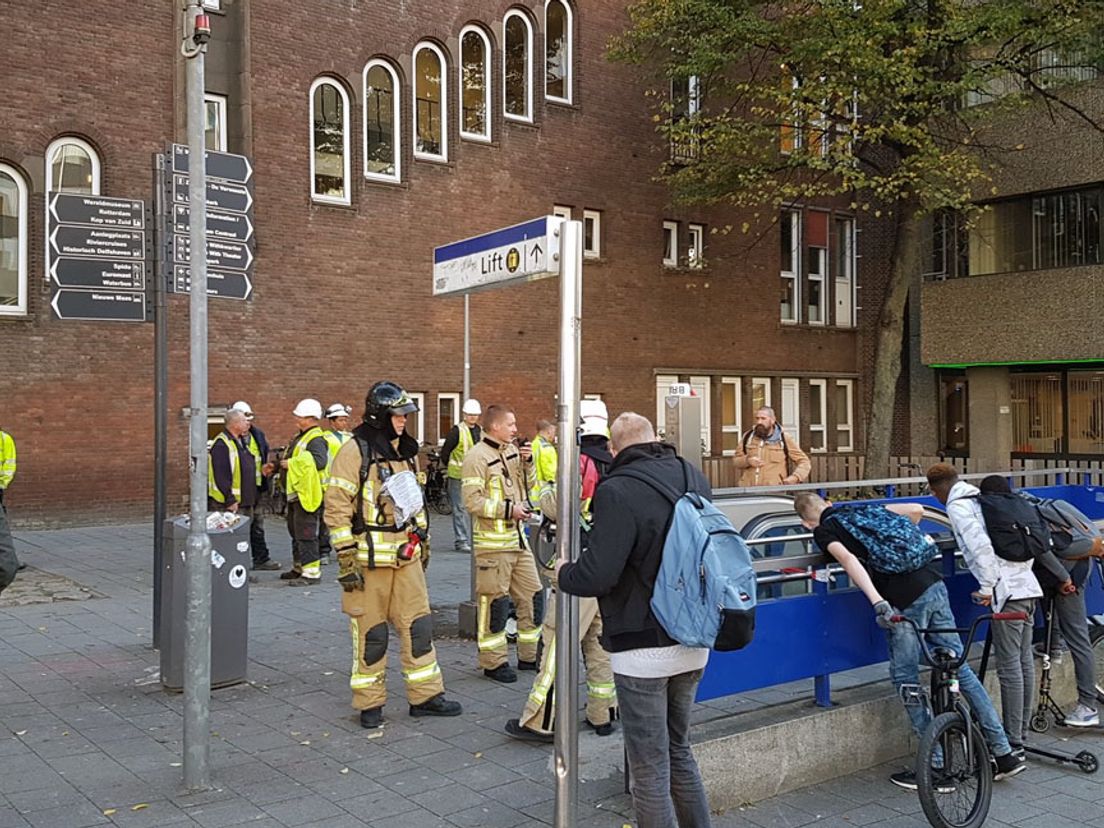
x,y
527,665
437,706
518,731
503,673
371,718
602,729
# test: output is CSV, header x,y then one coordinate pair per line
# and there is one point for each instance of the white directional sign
x,y
520,253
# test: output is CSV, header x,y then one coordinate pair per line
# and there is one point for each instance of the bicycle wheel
x,y
439,500
1096,635
958,794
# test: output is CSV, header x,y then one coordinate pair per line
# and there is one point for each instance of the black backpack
x,y
1014,525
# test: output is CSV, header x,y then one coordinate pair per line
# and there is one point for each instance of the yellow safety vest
x,y
255,450
544,466
302,484
334,441
7,459
213,491
456,459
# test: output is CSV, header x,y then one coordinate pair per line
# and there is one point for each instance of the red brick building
x,y
363,163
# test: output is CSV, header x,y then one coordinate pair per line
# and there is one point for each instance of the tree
x,y
792,101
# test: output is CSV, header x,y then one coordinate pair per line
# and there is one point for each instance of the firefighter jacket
x,y
495,480
7,459
381,541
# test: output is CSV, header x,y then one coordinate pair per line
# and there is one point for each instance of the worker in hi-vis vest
x,y
305,465
545,458
9,563
460,439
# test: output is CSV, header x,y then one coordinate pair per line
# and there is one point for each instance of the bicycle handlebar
x,y
922,631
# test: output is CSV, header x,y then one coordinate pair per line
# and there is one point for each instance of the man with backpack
x,y
1001,536
898,569
767,456
1074,540
656,677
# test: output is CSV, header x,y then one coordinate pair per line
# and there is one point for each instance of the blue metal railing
x,y
828,630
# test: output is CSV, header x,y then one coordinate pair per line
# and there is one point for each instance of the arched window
x,y
430,103
381,122
517,67
72,166
475,84
329,142
13,242
557,51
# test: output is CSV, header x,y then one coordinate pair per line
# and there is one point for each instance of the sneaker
x,y
1082,716
518,731
602,729
437,706
371,718
291,574
503,673
527,665
266,566
904,779
1009,765
1018,750
1055,654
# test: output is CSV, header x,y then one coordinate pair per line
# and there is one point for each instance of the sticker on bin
x,y
243,546
237,577
216,559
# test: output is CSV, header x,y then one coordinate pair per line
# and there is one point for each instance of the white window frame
x,y
662,383
671,227
214,5
846,426
792,427
820,427
704,388
595,250
396,120
221,104
561,211
597,397
849,282
730,428
488,81
457,416
527,117
569,74
795,256
429,156
23,199
766,383
94,159
419,397
822,278
695,249
346,161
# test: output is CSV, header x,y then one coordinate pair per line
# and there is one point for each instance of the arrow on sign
x,y
97,273
221,195
103,306
222,165
225,284
233,226
70,240
221,254
98,211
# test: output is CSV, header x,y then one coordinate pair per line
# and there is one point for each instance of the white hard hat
x,y
595,417
243,407
338,410
473,407
308,408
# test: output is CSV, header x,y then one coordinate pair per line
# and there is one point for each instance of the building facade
x,y
377,131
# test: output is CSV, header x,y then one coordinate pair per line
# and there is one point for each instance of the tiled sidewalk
x,y
88,737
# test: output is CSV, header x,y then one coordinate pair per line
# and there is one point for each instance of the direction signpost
x,y
520,253
96,252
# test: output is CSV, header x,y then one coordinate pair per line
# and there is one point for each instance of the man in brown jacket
x,y
769,456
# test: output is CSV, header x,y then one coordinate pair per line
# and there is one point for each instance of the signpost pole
x,y
567,529
467,396
160,399
197,628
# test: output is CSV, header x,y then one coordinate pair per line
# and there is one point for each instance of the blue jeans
x,y
667,788
461,520
933,609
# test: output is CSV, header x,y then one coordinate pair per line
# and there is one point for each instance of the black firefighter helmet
x,y
384,399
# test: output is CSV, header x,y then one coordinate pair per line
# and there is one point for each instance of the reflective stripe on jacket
x,y
456,459
255,449
494,481
545,459
304,478
7,459
232,448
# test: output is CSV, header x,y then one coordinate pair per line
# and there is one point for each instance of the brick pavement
x,y
88,737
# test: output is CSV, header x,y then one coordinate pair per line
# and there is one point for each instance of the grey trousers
x,y
1073,621
9,563
1015,668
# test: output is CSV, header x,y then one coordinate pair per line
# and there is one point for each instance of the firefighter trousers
x,y
399,597
540,708
500,577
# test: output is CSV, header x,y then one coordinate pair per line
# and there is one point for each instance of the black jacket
x,y
626,545
452,440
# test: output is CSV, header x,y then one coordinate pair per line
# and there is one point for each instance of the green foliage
x,y
874,88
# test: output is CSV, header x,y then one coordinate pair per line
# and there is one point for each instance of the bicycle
x,y
436,485
274,485
956,793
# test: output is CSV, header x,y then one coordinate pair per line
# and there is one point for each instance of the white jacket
x,y
1015,578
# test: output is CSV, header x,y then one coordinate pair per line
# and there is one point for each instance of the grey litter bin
x,y
230,562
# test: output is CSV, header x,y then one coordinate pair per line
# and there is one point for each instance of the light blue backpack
x,y
704,594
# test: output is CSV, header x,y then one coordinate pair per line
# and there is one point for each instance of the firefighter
x,y
305,466
497,476
375,511
337,415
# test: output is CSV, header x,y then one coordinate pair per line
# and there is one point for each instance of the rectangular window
x,y
415,421
845,415
695,246
448,414
790,137
954,417
216,5
670,243
214,131
760,393
562,211
731,408
685,106
818,415
1038,417
816,237
663,385
790,415
1086,412
592,397
790,233
592,234
845,272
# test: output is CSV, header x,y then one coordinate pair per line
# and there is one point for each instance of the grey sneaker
x,y
1082,716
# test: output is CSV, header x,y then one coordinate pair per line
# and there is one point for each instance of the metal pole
x,y
197,628
567,535
160,399
473,596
